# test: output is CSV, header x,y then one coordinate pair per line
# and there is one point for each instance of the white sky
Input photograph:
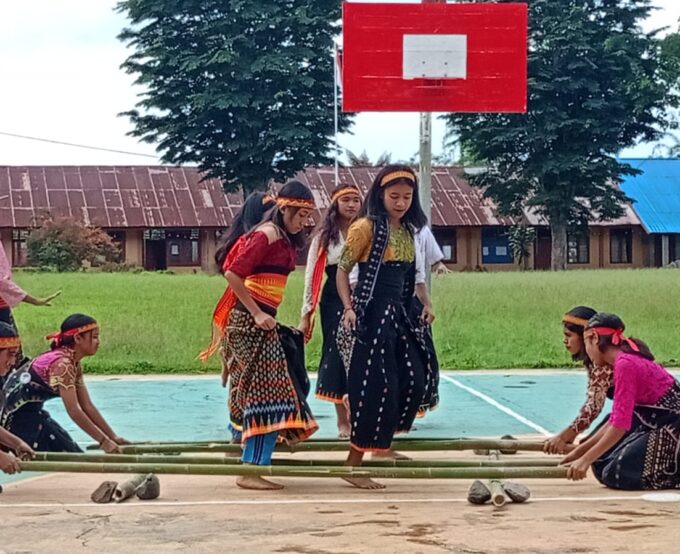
x,y
59,62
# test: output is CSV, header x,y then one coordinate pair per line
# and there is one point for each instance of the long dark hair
x,y
329,230
251,214
584,313
292,190
615,322
72,322
414,217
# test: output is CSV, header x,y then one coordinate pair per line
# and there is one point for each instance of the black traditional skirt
x,y
424,333
34,425
331,384
648,456
389,374
268,391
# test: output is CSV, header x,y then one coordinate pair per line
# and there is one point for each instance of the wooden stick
x,y
219,460
297,471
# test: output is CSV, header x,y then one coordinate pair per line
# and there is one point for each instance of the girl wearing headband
x,y
254,208
267,397
324,255
388,371
10,345
638,447
599,381
58,373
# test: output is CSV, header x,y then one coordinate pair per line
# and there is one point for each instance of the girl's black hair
x,y
615,322
582,312
414,217
296,190
7,331
72,322
250,215
329,230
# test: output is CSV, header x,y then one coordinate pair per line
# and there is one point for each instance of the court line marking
x,y
512,413
303,501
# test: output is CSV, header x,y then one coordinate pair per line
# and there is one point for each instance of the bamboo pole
x,y
343,446
397,440
498,498
297,471
216,460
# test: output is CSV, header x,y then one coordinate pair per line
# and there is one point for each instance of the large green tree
x,y
243,88
597,84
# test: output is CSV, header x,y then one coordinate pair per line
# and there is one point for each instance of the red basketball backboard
x,y
434,57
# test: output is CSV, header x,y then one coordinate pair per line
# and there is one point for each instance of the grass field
x,y
157,323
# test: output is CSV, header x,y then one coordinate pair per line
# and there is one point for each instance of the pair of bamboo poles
x,y
179,458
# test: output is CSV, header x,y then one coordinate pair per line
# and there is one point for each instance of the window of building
x,y
578,248
621,246
19,247
496,246
446,239
183,247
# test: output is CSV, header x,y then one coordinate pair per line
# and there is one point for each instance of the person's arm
x,y
599,380
41,301
312,255
9,464
15,443
358,241
252,254
626,375
611,435
95,415
69,397
424,296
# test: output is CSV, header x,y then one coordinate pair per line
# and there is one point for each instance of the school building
x,y
166,217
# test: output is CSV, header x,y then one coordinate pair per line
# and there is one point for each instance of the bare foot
x,y
256,483
344,431
364,483
389,455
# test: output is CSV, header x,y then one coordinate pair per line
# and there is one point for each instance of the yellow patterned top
x,y
400,248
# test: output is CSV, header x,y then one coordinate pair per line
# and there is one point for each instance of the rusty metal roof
x,y
171,197
454,201
114,197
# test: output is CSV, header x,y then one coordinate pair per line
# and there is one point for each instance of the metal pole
x,y
335,107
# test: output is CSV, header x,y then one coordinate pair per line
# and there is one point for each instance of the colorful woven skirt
x,y
648,456
269,386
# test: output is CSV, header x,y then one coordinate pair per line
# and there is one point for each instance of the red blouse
x,y
258,256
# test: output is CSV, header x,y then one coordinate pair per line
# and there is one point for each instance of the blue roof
x,y
656,193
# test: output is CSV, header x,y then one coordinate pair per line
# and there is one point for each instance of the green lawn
x,y
157,323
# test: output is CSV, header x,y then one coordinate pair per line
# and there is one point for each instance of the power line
x,y
88,147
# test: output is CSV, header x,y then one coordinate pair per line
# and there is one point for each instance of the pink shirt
x,y
637,381
10,293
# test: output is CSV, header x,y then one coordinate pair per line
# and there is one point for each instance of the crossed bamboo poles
x,y
181,458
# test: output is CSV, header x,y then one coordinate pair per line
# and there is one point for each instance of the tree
x,y
362,160
243,88
597,84
65,244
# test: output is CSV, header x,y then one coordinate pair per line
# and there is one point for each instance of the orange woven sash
x,y
265,288
317,280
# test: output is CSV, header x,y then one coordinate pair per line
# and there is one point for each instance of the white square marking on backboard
x,y
435,57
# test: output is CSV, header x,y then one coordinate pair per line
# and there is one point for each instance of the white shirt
x,y
428,253
333,258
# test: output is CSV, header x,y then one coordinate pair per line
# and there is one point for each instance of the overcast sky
x,y
59,61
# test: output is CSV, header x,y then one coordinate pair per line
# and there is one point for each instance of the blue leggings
x,y
258,450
